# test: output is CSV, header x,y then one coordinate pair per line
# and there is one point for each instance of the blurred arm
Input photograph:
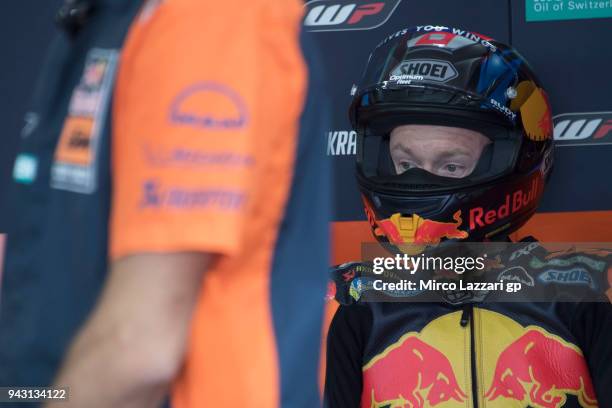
x,y
133,343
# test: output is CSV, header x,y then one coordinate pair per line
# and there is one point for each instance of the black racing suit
x,y
466,351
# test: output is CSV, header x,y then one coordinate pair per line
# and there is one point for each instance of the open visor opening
x,y
377,164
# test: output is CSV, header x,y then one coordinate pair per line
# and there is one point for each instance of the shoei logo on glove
x,y
209,105
576,276
428,70
342,15
582,129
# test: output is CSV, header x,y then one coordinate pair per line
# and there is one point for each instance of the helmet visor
x,y
428,155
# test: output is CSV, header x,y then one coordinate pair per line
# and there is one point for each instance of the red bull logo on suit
x,y
421,369
415,374
516,366
525,371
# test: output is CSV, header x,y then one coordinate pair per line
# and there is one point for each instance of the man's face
x,y
441,150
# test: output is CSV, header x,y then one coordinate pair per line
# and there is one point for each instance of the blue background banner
x,y
571,57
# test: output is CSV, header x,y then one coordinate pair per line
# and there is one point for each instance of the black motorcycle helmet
x,y
444,76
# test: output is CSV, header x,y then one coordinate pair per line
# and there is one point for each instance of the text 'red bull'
x,y
540,370
513,203
411,374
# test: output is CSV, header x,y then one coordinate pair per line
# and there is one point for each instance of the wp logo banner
x,y
585,128
343,15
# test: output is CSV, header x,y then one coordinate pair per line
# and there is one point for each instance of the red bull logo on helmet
x,y
534,107
418,230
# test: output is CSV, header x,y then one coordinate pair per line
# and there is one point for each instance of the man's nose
x,y
428,166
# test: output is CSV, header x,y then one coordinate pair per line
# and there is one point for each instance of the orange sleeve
x,y
184,114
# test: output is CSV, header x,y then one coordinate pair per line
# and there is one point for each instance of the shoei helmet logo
x,y
424,70
342,15
583,129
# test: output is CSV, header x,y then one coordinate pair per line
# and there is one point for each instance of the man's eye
x,y
454,170
406,166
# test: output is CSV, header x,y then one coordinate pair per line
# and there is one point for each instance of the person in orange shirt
x,y
217,255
